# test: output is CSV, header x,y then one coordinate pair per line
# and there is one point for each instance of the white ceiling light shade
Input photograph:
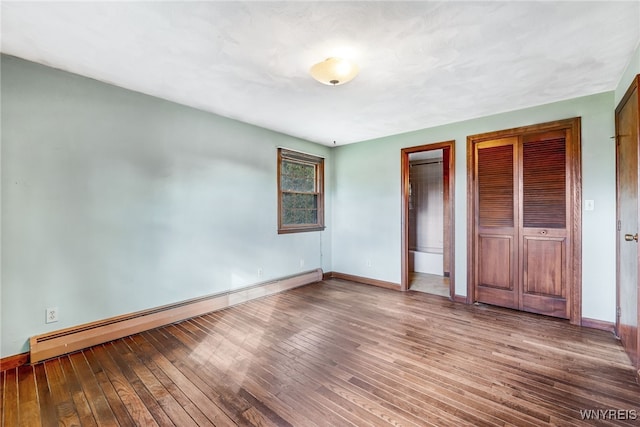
x,y
334,71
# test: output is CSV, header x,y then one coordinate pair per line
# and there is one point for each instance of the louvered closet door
x,y
544,232
497,221
522,241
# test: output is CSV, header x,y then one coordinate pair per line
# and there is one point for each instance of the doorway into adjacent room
x,y
427,198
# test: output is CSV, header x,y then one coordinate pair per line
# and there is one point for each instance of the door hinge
x,y
619,225
618,312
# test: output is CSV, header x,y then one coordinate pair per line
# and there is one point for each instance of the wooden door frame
x,y
573,125
449,205
634,86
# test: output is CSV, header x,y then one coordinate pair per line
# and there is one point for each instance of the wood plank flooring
x,y
336,353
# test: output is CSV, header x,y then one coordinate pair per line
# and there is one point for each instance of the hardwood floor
x,y
331,354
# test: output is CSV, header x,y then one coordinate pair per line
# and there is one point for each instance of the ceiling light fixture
x,y
334,71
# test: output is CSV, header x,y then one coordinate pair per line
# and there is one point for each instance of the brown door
x,y
544,240
497,222
524,213
627,122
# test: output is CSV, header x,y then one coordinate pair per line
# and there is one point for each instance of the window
x,y
300,192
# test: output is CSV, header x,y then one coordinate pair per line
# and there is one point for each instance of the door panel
x,y
548,306
544,281
495,249
627,188
544,267
495,266
495,172
544,181
496,278
544,220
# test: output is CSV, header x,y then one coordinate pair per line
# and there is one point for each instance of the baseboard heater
x,y
68,340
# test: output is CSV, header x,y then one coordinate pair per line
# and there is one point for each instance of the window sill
x,y
289,230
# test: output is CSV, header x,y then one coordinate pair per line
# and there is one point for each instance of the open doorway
x,y
427,206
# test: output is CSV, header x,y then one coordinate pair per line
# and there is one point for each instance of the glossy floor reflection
x,y
335,353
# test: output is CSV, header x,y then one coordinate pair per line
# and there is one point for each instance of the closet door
x,y
496,217
544,242
523,220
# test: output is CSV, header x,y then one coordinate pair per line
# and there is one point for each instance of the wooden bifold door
x,y
523,204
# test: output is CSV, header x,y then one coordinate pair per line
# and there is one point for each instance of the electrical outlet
x,y
369,263
52,315
301,262
260,272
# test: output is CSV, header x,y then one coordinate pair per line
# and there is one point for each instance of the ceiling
x,y
422,64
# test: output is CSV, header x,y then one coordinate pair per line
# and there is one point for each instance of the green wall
x,y
114,201
367,199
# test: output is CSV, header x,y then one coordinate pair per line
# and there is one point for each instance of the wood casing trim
x,y
573,126
633,85
11,362
460,298
598,324
449,205
56,343
363,280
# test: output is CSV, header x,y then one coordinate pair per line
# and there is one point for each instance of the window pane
x,y
287,216
286,183
297,176
311,202
298,216
312,216
299,208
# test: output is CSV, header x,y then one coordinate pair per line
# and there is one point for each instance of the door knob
x,y
631,237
